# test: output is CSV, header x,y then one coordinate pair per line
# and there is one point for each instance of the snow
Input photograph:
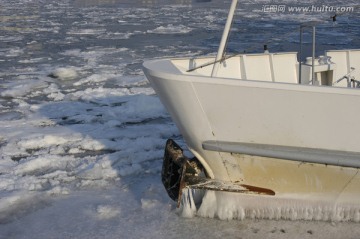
x,y
82,131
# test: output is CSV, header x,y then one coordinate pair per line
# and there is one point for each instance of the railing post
x,y
313,25
314,82
300,53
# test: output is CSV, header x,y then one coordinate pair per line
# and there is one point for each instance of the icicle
x,y
187,206
228,206
208,206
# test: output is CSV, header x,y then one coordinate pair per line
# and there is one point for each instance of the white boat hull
x,y
302,141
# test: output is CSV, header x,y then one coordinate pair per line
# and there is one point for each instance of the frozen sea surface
x,y
82,132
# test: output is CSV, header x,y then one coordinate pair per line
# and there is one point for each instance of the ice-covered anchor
x,y
180,173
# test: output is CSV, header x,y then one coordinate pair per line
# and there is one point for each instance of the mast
x,y
224,38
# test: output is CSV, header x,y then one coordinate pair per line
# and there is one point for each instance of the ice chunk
x,y
13,206
22,87
171,29
64,73
105,212
149,203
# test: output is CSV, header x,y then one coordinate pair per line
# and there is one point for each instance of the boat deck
x,y
339,68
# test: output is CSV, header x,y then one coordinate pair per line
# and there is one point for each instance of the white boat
x,y
281,138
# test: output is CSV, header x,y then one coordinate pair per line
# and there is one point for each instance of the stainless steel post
x,y
313,80
300,53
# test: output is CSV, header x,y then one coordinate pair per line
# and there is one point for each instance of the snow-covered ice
x,y
82,132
